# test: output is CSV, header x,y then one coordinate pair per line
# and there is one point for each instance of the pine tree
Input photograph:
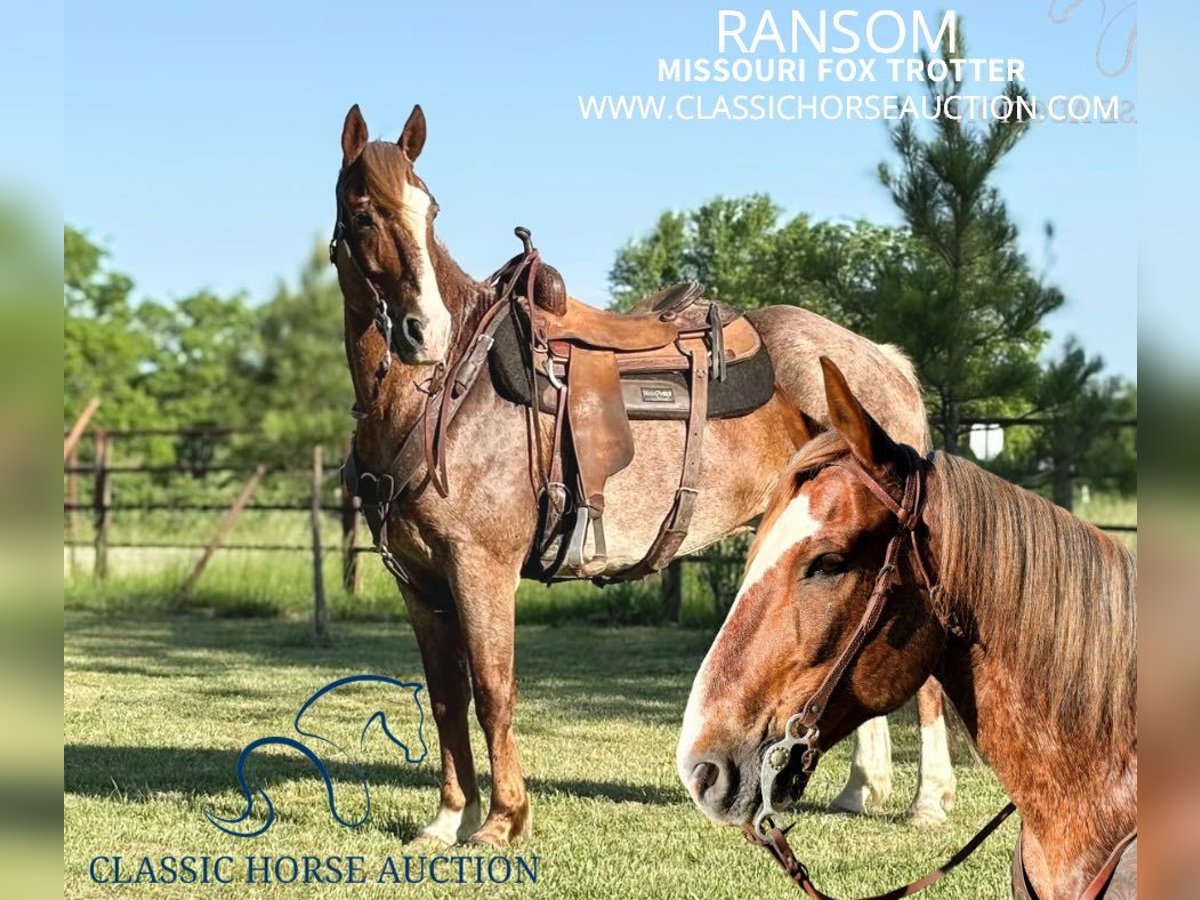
x,y
965,303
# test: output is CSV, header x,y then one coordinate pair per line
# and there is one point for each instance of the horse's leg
x,y
937,789
870,781
445,657
485,591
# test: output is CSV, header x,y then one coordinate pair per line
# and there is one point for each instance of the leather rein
x,y
802,731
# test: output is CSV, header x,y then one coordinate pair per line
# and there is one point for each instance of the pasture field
x,y
156,708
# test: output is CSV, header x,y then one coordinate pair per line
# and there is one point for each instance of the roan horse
x,y
458,558
875,569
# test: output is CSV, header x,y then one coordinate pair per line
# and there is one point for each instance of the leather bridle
x,y
382,313
802,731
383,317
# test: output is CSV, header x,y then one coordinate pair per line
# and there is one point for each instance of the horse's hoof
x,y
427,841
860,800
502,831
493,836
926,815
849,806
448,828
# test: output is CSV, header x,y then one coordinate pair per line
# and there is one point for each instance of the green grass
x,y
156,708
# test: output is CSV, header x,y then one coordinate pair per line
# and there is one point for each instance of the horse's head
x,y
387,247
809,577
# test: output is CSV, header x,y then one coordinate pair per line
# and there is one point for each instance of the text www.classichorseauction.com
x,y
318,729
838,52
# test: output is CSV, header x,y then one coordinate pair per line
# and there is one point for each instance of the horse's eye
x,y
827,564
363,220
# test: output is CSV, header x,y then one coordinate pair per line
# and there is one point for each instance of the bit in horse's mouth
x,y
791,782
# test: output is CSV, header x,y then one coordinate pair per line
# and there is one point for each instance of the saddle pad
x,y
749,383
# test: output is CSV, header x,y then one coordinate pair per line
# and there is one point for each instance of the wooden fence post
x,y
77,430
223,527
671,586
320,611
101,501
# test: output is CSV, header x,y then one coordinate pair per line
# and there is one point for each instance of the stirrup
x,y
574,558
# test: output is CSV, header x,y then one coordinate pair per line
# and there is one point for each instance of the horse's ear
x,y
868,442
354,135
412,138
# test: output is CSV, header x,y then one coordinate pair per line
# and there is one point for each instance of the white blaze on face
x,y
430,308
794,525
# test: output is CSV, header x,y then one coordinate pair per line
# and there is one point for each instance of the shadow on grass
x,y
595,673
139,773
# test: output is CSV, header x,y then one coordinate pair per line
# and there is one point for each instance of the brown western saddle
x,y
593,371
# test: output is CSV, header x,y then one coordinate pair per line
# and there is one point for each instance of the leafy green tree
x,y
722,244
106,349
206,362
306,392
744,255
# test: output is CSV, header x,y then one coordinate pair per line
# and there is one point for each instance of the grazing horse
x,y
460,556
875,569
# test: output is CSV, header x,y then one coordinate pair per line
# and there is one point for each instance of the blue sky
x,y
201,139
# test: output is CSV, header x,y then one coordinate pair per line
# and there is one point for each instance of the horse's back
x,y
879,374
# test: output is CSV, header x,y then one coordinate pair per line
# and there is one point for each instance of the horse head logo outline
x,y
1118,35
310,708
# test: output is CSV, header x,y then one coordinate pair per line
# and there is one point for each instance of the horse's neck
x,y
1044,680
392,405
1067,794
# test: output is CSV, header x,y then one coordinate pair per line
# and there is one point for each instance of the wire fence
x,y
308,488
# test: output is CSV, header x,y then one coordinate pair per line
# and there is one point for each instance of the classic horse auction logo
x,y
1118,33
313,709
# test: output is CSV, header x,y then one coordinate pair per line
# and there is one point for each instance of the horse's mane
x,y
1061,592
386,170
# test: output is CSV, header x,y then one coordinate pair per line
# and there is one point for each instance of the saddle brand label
x,y
658,395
